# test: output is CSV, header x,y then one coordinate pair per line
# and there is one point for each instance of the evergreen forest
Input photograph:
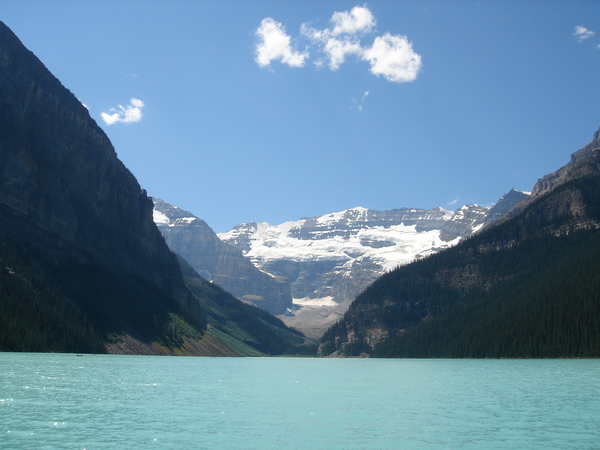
x,y
526,288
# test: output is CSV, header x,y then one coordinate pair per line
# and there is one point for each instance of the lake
x,y
155,402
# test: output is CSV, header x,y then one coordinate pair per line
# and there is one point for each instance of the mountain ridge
x,y
524,287
83,267
217,261
328,260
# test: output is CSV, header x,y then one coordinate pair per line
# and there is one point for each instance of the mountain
x,y
329,260
245,329
583,162
526,286
73,214
83,267
219,262
506,204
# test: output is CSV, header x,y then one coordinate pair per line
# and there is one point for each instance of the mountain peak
x,y
218,261
583,162
73,210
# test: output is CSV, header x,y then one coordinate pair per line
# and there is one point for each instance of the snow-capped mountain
x,y
217,261
329,260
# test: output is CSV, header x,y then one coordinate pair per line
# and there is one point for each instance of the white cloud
x,y
453,202
582,33
337,50
359,20
128,114
275,45
359,103
389,55
394,58
341,40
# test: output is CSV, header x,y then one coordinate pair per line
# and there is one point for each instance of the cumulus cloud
x,y
582,33
124,114
390,56
358,20
394,58
275,44
343,38
337,50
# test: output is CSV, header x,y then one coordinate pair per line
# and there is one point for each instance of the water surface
x,y
107,401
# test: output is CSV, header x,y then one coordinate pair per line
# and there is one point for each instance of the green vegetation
x,y
80,305
120,303
35,316
77,306
250,326
547,306
527,288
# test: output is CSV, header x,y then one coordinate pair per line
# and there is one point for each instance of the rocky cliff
x,y
218,261
71,208
527,286
584,161
328,260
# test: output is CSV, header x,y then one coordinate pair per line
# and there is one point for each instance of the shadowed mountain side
x,y
75,217
524,287
584,161
219,262
245,328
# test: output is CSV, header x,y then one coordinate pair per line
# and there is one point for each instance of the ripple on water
x,y
168,402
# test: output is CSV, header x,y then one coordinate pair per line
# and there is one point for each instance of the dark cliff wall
x,y
585,161
66,201
527,286
61,173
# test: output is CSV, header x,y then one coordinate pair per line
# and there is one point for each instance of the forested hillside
x,y
528,287
83,267
245,328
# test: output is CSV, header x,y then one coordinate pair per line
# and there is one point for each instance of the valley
x,y
323,262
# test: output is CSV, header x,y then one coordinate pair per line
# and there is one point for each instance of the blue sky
x,y
277,110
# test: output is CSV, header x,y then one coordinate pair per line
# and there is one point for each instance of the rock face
x,y
219,262
476,299
504,205
65,198
329,260
583,162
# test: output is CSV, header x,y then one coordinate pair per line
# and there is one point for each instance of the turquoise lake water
x,y
156,402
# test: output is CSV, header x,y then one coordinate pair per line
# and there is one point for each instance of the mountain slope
x,y
83,267
217,261
74,223
244,328
583,162
527,287
329,260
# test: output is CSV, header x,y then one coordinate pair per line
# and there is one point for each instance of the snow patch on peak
x,y
166,215
522,192
355,214
323,301
184,221
447,215
160,218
